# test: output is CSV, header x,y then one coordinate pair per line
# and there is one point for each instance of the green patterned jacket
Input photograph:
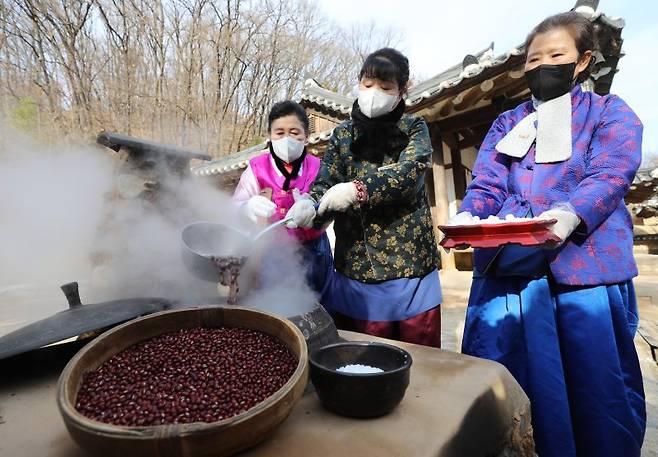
x,y
391,235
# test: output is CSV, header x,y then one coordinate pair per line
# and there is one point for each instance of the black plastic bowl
x,y
360,394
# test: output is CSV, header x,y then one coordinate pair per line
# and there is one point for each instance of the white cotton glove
x,y
259,206
463,218
567,220
302,211
338,198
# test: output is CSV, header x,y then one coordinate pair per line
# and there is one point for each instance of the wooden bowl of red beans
x,y
197,382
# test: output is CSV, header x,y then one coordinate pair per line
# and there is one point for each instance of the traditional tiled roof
x,y
646,178
643,193
314,93
116,141
341,104
229,163
453,76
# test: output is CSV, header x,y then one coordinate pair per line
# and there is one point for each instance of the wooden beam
x,y
446,109
487,73
473,137
517,89
470,96
475,118
509,88
472,141
466,99
451,140
440,214
485,88
324,112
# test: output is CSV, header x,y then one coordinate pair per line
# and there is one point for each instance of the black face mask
x,y
547,82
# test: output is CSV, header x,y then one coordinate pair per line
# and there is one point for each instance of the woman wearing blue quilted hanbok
x,y
562,318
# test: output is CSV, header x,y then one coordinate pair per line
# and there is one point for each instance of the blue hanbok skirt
x,y
319,264
392,300
571,349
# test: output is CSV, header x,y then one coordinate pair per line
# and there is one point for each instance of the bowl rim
x,y
174,429
405,366
188,226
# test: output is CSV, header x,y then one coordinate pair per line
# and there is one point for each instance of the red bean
x,y
191,375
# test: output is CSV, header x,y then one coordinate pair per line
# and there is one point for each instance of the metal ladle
x,y
276,224
269,228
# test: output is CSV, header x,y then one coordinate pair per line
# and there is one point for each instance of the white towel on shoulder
x,y
552,134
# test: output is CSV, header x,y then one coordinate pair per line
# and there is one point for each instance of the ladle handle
x,y
277,224
72,294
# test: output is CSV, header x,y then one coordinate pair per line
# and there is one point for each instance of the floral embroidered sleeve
x,y
615,156
402,180
488,190
332,172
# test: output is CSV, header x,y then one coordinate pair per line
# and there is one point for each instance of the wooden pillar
x,y
440,213
458,172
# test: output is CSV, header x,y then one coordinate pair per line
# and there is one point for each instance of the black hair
x,y
286,108
578,26
387,64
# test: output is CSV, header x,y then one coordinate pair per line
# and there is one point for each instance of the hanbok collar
x,y
549,126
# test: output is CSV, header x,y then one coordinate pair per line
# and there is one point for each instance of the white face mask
x,y
374,103
288,149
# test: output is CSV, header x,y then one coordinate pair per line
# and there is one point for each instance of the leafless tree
x,y
196,72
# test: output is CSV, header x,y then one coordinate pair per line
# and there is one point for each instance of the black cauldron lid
x,y
77,320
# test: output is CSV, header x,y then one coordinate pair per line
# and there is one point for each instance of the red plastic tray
x,y
526,233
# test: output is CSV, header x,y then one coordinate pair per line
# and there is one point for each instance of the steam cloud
x,y
57,213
